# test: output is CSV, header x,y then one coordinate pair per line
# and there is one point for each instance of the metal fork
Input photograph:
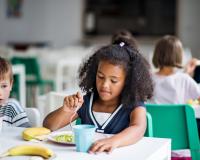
x,y
70,122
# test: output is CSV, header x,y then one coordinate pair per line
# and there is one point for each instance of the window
x,y
141,17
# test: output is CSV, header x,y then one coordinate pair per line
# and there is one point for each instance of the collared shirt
x,y
118,120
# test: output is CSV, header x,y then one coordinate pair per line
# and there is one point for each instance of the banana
x,y
32,133
35,150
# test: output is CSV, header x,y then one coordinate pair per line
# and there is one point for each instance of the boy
x,y
13,113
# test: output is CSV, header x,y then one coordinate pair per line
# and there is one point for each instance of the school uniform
x,y
116,122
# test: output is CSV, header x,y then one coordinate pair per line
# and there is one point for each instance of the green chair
x,y
176,121
33,78
149,129
33,75
78,121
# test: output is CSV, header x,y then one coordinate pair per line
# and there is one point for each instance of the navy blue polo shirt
x,y
118,121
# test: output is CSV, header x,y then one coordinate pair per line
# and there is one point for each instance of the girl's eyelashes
x,y
114,81
100,76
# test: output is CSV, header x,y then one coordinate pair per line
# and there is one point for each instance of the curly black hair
x,y
138,84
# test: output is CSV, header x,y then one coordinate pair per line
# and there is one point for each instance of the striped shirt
x,y
14,114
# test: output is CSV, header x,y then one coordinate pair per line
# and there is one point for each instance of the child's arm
x,y
190,66
61,117
128,136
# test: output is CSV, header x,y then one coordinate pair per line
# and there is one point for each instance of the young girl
x,y
117,81
172,86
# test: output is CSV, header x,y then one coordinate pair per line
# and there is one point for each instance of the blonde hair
x,y
168,52
5,69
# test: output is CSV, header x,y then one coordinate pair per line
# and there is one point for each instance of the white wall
x,y
56,21
189,25
60,23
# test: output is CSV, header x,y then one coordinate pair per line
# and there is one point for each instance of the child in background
x,y
172,86
13,113
117,81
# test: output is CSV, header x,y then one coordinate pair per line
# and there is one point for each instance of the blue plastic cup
x,y
84,136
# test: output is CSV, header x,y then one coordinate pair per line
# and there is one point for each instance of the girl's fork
x,y
70,122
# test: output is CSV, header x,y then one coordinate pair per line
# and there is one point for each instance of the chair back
x,y
50,102
31,67
149,129
34,117
176,121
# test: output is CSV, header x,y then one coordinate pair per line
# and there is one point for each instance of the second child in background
x,y
117,81
13,113
172,86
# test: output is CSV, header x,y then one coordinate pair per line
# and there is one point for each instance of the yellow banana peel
x,y
32,133
32,150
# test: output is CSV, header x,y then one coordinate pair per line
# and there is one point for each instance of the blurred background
x,y
66,22
60,34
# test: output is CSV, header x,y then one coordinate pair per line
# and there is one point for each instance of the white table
x,y
20,70
145,149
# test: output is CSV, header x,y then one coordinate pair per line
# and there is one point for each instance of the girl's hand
x,y
104,145
72,102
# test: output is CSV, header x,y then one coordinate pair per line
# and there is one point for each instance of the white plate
x,y
52,136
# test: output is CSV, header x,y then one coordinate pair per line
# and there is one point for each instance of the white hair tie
x,y
121,44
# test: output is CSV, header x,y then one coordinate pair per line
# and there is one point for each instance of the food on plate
x,y
64,138
34,133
